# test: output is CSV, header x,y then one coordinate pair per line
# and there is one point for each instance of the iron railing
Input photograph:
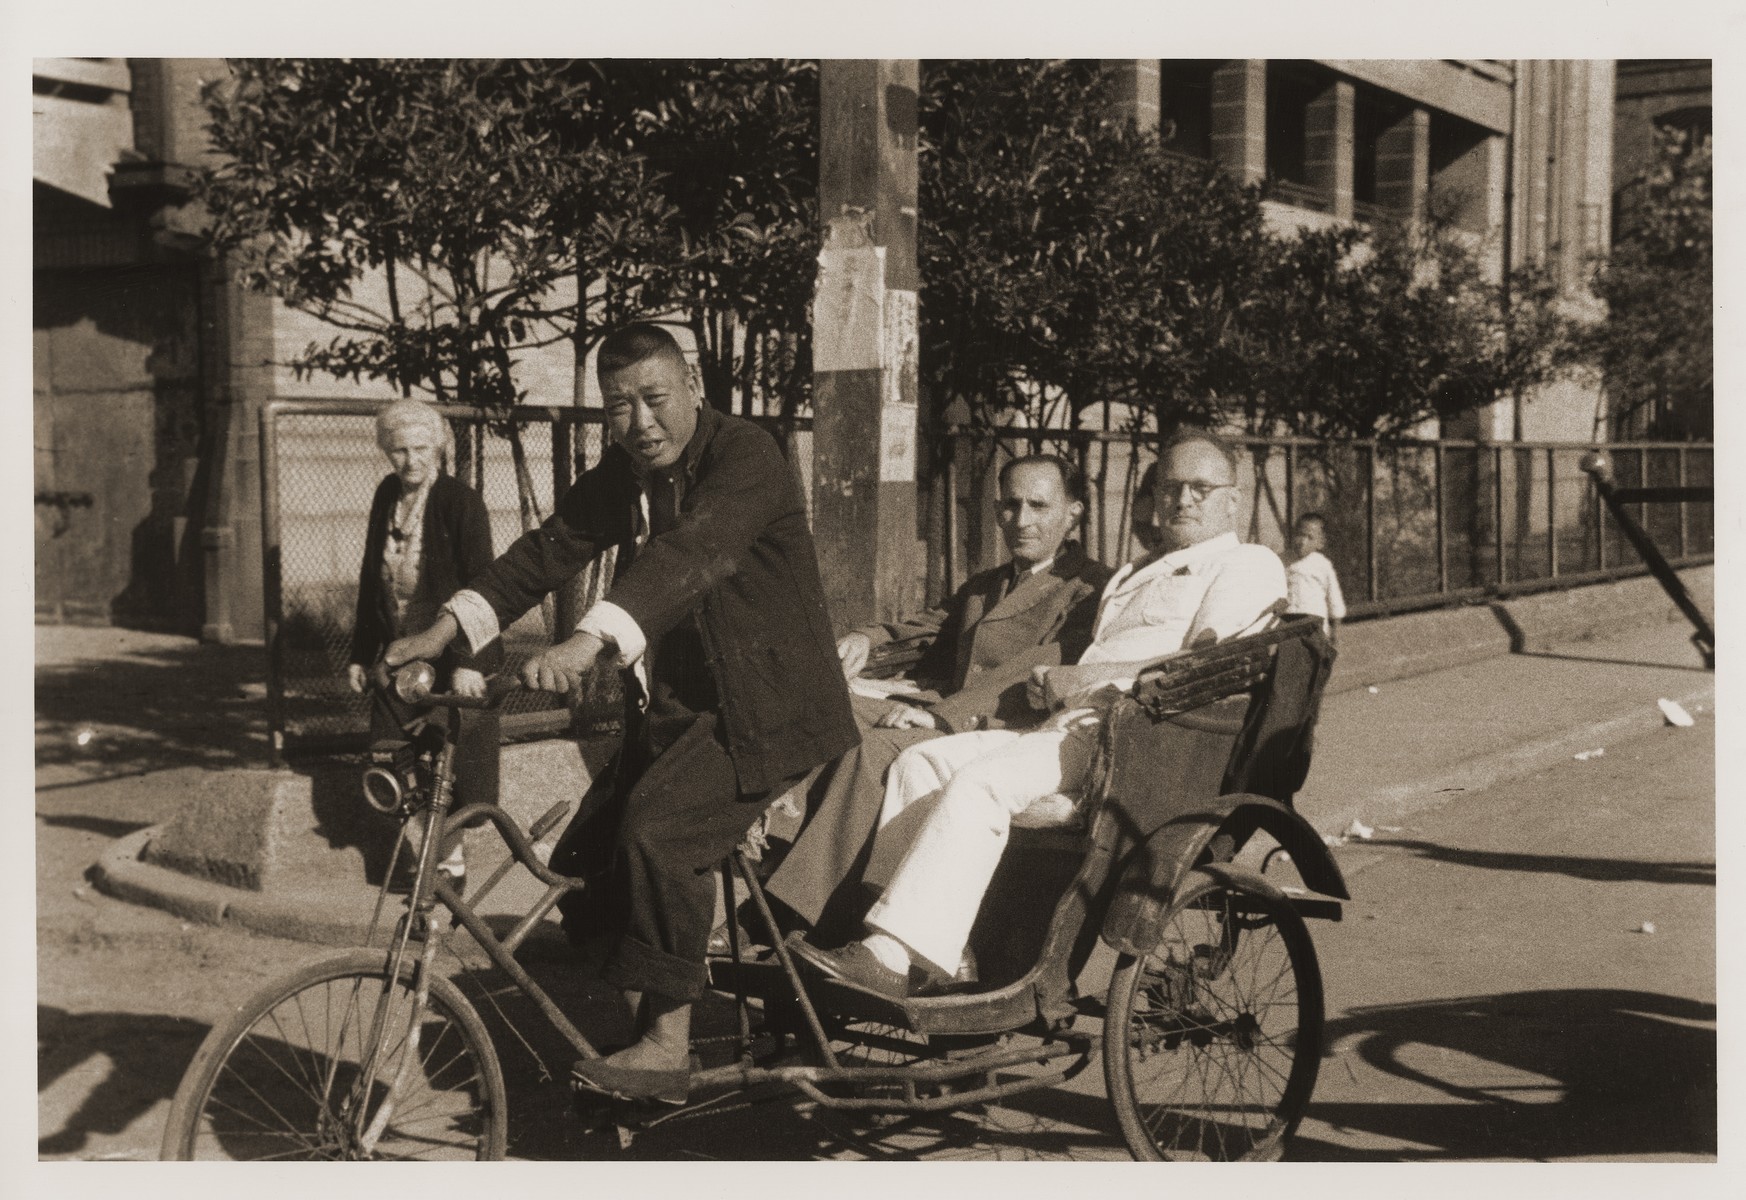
x,y
1411,524
320,468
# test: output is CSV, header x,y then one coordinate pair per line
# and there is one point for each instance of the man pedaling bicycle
x,y
733,687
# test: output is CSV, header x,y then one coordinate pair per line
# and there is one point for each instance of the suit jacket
x,y
987,641
738,565
456,549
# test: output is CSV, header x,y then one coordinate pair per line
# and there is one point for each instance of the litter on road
x,y
1358,829
1585,755
1674,713
1645,927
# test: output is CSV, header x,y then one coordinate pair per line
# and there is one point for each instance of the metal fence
x,y
1410,524
320,468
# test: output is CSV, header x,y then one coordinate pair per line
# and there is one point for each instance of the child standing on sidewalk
x,y
1312,585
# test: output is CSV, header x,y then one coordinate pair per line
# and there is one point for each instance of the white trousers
x,y
950,801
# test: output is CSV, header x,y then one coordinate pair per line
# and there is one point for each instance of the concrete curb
x,y
307,914
1403,800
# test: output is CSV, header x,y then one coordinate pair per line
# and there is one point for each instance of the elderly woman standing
x,y
428,536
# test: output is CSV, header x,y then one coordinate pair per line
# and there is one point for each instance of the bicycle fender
x,y
1154,870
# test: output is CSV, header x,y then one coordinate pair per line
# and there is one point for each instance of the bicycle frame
x,y
431,888
932,1082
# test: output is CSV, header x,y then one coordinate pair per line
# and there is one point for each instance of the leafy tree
x,y
735,146
1064,253
1362,331
1656,345
457,182
512,204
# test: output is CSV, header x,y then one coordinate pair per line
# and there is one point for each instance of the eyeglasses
x,y
1200,489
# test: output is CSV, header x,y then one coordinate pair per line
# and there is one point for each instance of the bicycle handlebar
x,y
411,682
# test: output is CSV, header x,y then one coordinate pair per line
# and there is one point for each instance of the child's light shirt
x,y
1313,586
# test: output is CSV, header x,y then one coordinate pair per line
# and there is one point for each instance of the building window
x,y
1695,123
1459,173
1381,171
1185,105
1291,88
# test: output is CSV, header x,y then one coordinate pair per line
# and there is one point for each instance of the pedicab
x,y
1209,1029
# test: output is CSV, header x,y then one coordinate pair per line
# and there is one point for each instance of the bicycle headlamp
x,y
414,681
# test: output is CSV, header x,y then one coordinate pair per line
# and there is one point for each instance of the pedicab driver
x,y
1199,586
733,686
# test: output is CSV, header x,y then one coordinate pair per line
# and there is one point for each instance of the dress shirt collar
x,y
1189,560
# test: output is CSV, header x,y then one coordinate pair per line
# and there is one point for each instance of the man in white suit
x,y
1201,585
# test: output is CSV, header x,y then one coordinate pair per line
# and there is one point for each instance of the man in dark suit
x,y
1034,611
734,690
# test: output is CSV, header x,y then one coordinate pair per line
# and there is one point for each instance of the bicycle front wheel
x,y
329,1063
1212,1039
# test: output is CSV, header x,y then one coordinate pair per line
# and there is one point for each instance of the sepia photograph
x,y
986,607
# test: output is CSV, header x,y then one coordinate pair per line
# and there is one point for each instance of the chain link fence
x,y
321,467
1410,524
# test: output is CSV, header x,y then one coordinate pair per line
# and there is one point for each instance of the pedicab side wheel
x,y
284,1077
1213,1038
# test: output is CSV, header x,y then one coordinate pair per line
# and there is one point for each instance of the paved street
x,y
1489,996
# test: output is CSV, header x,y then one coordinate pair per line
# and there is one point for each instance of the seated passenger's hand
x,y
561,668
853,649
907,716
467,682
1037,689
423,646
357,676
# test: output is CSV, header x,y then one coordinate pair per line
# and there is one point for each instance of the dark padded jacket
x,y
739,563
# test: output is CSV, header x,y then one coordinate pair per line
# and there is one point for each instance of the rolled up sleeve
x,y
610,623
477,619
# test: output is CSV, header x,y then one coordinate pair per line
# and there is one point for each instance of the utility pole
x,y
864,342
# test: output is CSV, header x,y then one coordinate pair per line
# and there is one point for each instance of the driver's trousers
x,y
648,838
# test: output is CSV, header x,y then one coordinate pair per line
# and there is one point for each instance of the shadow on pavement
x,y
1699,668
171,707
1533,1075
147,1055
1599,870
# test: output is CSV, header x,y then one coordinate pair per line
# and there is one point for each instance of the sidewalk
x,y
152,702
1414,743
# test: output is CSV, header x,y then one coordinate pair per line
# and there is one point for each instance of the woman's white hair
x,y
416,414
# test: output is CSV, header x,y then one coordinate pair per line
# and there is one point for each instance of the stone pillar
x,y
1328,137
1239,118
864,342
1403,166
1535,160
1136,87
1598,201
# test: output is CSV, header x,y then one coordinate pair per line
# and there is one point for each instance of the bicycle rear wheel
x,y
1212,1039
305,1067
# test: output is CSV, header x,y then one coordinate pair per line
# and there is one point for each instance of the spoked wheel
x,y
1213,1038
328,1064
